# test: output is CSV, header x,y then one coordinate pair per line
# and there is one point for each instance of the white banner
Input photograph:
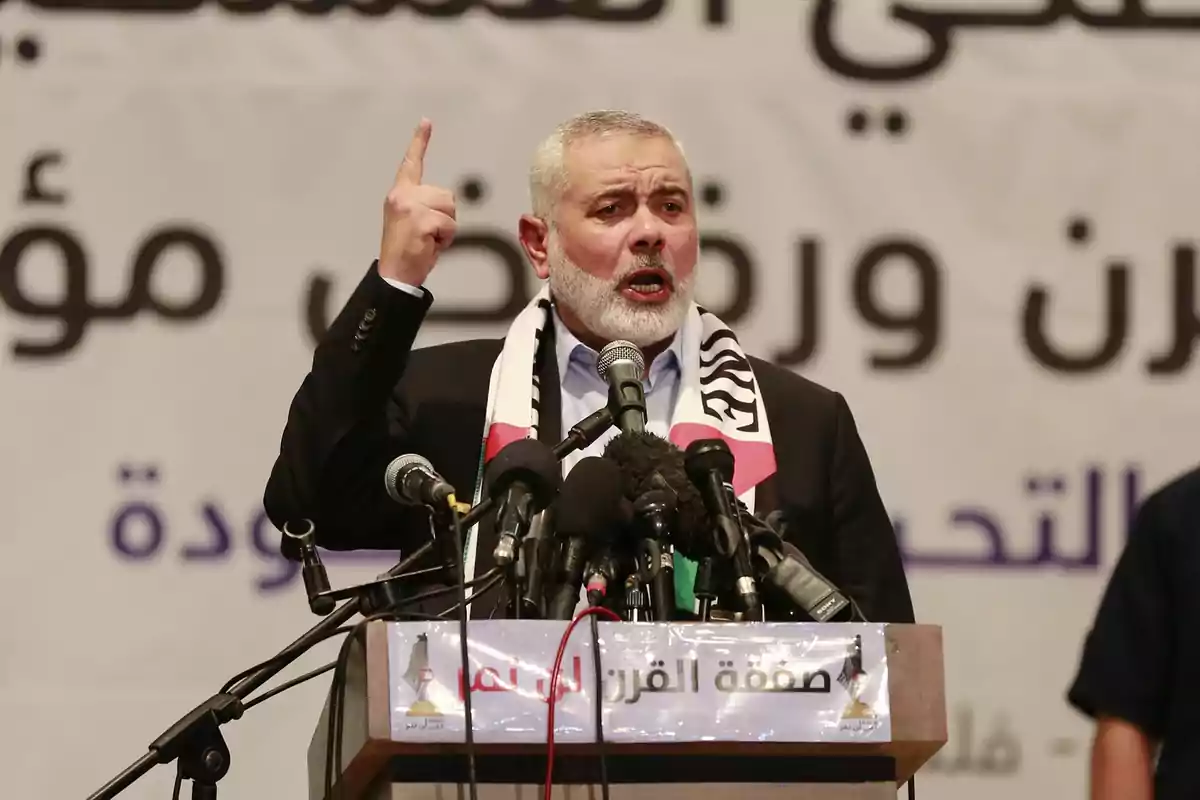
x,y
769,682
976,220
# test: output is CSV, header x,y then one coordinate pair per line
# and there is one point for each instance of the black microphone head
x,y
705,455
527,460
650,463
619,350
591,504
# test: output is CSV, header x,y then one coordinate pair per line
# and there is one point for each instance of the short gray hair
x,y
548,174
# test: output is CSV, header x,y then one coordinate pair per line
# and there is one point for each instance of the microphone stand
x,y
705,587
196,740
532,568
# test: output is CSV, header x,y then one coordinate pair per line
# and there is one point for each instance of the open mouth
x,y
647,286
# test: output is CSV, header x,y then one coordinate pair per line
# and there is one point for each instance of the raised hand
x,y
418,219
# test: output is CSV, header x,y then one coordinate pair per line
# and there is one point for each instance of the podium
x,y
777,711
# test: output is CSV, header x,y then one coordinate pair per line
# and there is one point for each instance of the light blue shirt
x,y
584,392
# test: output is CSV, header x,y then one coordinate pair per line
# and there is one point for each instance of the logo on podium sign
x,y
419,677
854,679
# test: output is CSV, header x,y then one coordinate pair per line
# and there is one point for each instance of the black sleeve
x,y
868,556
345,425
1124,670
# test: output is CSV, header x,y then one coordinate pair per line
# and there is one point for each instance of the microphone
x,y
535,555
588,510
650,463
412,479
654,467
655,511
709,464
316,579
655,474
621,365
527,474
785,569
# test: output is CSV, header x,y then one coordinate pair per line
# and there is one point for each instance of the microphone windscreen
x,y
646,461
527,460
591,504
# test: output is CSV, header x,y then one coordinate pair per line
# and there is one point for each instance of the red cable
x,y
553,693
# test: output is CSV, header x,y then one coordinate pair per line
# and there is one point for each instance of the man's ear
x,y
535,240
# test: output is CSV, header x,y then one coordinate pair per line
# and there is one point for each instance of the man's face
x,y
623,248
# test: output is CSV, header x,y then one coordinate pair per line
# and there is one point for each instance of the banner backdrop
x,y
975,220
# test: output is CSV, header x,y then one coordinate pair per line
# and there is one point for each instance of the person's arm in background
x,y
1122,761
1125,670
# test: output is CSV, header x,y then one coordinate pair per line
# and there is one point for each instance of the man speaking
x,y
613,233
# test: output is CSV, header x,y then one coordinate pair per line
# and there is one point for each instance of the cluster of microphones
x,y
608,533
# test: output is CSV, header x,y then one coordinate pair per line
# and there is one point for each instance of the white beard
x,y
605,312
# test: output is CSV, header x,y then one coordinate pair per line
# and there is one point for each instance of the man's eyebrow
x,y
608,192
624,189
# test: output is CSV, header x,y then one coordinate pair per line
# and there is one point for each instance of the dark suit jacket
x,y
370,397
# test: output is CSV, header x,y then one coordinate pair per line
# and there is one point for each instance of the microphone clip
x,y
312,570
388,591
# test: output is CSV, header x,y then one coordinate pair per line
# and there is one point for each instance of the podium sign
x,y
660,682
759,711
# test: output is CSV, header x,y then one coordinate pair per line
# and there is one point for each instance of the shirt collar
x,y
571,351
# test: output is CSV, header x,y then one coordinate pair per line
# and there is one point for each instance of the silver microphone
x,y
621,365
412,479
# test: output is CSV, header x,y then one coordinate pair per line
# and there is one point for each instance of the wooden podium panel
x,y
374,767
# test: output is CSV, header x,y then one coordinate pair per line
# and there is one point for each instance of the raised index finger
x,y
413,165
